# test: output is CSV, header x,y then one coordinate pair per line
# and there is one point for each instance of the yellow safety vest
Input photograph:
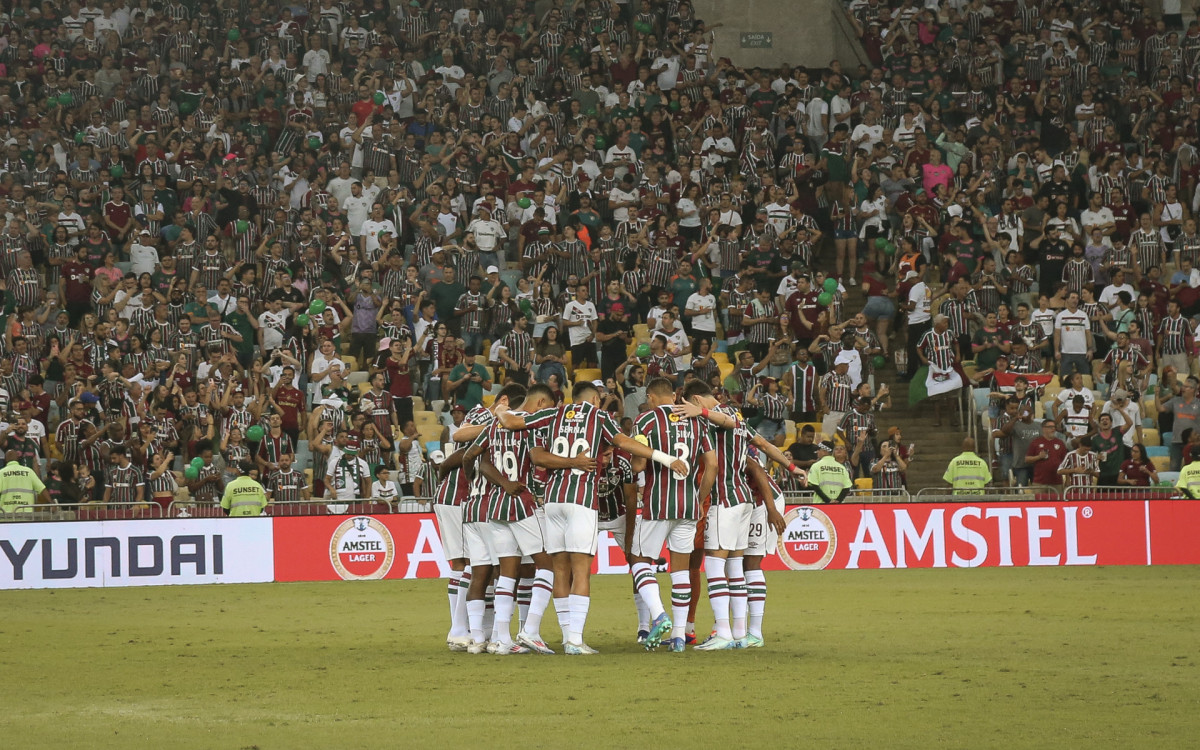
x,y
1189,479
244,497
968,474
831,476
19,486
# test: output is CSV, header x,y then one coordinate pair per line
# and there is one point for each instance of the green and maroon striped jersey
x,y
575,429
610,500
666,496
510,451
731,487
454,488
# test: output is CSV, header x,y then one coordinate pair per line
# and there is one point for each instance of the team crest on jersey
x,y
809,539
673,417
571,414
362,549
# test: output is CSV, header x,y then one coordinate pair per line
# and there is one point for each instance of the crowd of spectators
x,y
287,233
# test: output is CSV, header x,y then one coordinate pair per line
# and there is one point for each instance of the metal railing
x,y
856,495
1079,494
111,511
988,494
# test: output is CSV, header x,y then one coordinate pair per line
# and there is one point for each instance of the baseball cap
x,y
493,269
351,446
1120,393
598,383
458,407
826,446
437,456
845,358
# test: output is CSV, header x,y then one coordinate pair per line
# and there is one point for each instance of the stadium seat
x,y
1151,437
981,399
1169,477
357,377
425,418
1167,437
720,357
587,373
641,333
488,399
864,483
567,363
1088,383
726,370
363,387
351,363
1161,463
431,446
1154,451
418,403
511,278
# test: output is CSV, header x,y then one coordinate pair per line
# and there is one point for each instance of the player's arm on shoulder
x,y
453,461
776,455
493,475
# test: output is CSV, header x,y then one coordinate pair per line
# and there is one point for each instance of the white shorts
x,y
763,540
450,529
571,528
728,528
617,528
516,538
540,514
678,534
480,547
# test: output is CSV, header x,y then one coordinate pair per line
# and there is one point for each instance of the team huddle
x,y
691,478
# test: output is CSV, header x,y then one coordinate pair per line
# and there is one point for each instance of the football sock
x,y
737,596
524,594
681,599
505,601
475,609
562,608
695,577
458,615
578,617
646,585
718,594
756,598
489,612
452,590
643,612
543,587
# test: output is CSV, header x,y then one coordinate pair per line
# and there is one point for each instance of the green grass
x,y
1078,657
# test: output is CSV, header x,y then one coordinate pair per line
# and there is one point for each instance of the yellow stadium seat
x,y
1150,436
425,417
720,357
430,433
1161,463
488,398
587,373
418,403
351,363
726,370
641,332
363,388
1088,383
864,483
567,363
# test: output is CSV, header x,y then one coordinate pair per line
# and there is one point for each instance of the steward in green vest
x,y
244,496
967,473
20,486
828,478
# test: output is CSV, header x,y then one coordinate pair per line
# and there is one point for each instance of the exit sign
x,y
756,40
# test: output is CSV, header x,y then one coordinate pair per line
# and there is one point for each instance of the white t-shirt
x,y
919,295
357,210
1119,421
585,311
272,324
142,258
488,234
679,339
619,195
1075,337
667,78
684,206
706,322
371,229
384,490
1108,297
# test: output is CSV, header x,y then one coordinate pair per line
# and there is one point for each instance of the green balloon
x,y
830,285
234,35
191,473
889,249
242,225
186,108
525,305
116,170
878,361
643,350
524,203
302,320
600,142
79,137
642,26
254,433
66,98
673,106
314,143
317,307
880,242
379,97
824,299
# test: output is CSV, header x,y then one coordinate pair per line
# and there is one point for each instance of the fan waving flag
x,y
1006,382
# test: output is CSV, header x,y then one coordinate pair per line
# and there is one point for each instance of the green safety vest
x,y
831,476
19,486
969,473
244,497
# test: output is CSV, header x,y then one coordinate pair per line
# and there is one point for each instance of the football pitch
x,y
1076,657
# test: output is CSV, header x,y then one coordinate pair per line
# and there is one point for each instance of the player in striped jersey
x,y
726,533
579,429
766,524
500,525
451,492
672,506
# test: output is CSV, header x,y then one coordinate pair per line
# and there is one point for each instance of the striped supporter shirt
x,y
286,486
1074,460
801,381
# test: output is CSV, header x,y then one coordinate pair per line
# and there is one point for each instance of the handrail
x,y
987,494
84,512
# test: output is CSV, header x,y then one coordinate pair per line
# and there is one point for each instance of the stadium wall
x,y
766,33
84,554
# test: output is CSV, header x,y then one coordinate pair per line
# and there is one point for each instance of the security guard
x,y
967,473
20,487
244,496
1188,483
828,478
